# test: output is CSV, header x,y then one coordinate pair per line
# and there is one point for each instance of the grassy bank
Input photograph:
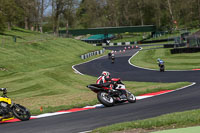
x,y
128,39
184,61
38,72
168,121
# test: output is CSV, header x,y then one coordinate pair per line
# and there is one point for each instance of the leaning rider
x,y
3,110
106,81
113,55
159,61
3,89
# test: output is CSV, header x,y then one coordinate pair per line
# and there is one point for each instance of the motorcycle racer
x,y
3,89
3,110
111,91
106,81
159,61
10,110
113,57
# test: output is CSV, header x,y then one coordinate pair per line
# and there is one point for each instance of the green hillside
x,y
36,70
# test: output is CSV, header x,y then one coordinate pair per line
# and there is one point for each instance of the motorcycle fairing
x,y
5,99
6,119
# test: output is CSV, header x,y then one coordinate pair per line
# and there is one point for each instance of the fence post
x,y
82,56
14,38
85,56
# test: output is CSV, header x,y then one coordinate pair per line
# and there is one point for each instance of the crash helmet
x,y
105,73
158,59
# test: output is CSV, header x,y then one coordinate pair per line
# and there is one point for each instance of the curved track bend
x,y
180,100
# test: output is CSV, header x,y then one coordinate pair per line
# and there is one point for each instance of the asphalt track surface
x,y
180,100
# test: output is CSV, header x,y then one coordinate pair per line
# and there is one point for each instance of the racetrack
x,y
180,100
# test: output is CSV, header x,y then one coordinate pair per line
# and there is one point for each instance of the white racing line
x,y
151,95
148,96
101,106
76,71
86,131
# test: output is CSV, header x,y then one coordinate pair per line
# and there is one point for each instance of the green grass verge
x,y
39,72
127,39
184,61
167,121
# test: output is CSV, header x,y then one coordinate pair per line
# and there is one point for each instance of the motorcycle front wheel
x,y
131,98
105,99
162,68
21,112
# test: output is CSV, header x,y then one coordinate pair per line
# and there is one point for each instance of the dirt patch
x,y
3,69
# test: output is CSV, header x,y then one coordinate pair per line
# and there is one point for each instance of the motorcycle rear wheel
x,y
105,99
21,112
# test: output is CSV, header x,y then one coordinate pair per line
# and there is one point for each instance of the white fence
x,y
85,56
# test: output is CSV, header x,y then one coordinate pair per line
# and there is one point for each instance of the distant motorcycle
x,y
108,97
8,109
113,58
162,67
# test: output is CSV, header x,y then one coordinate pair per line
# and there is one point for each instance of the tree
x,y
2,22
29,9
112,12
2,18
10,12
87,13
69,13
140,7
57,10
42,6
99,13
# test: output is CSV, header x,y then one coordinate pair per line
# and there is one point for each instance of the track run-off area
x,y
182,99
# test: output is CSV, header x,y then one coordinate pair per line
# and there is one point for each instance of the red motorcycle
x,y
108,97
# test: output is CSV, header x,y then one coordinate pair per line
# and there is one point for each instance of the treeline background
x,y
51,15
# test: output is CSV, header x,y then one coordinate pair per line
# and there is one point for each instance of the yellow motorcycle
x,y
9,110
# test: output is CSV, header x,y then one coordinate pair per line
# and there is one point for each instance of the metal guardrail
x,y
85,56
116,44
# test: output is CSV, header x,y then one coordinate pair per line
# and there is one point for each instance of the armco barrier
x,y
156,41
184,50
85,56
174,45
115,44
135,42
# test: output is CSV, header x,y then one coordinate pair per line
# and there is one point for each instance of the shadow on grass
x,y
25,31
11,35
